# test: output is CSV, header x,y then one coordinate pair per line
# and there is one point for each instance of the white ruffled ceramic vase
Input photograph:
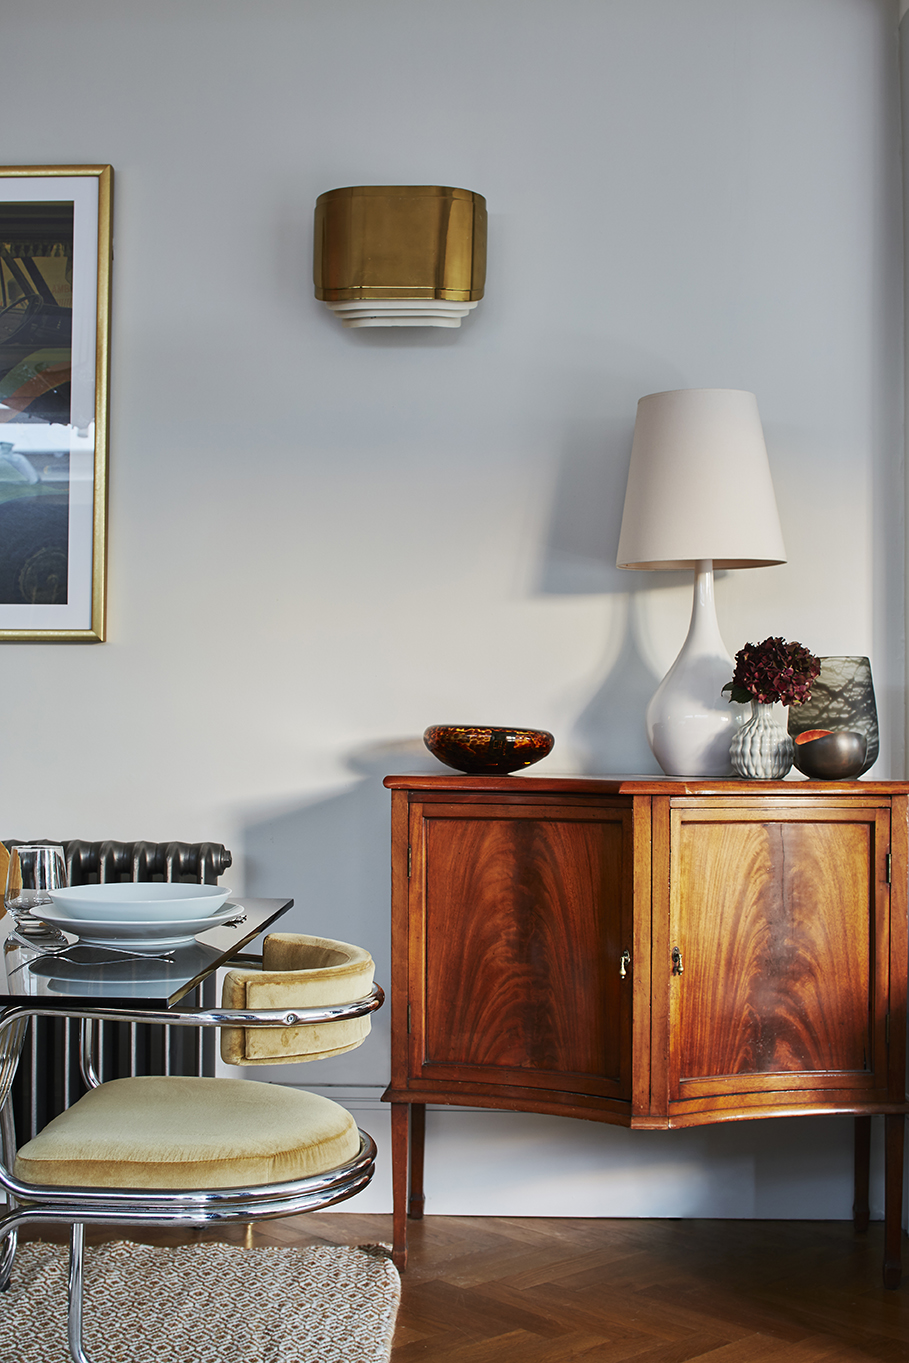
x,y
761,748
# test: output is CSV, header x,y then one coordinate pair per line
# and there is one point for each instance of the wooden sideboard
x,y
650,953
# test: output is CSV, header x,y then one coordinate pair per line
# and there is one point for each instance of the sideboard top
x,y
641,785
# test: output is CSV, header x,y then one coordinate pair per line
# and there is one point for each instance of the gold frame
x,y
95,629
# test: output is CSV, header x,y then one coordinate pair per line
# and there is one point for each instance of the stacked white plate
x,y
139,917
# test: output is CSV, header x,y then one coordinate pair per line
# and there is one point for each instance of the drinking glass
x,y
35,869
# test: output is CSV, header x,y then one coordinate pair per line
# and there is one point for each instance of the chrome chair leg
x,y
8,1143
74,1320
7,1256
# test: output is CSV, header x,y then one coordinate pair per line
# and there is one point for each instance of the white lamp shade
x,y
699,484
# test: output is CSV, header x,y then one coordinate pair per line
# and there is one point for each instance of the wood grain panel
x,y
775,923
523,934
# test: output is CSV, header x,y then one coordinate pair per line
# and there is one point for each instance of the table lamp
x,y
699,496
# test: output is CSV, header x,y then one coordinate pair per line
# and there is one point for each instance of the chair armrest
x,y
11,1030
202,1017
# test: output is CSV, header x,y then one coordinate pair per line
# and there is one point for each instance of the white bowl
x,y
142,902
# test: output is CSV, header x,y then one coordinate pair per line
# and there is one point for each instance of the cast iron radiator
x,y
48,1077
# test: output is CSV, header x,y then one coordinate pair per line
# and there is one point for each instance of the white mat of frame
x,y
205,1303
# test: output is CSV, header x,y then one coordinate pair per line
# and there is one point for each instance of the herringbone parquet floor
x,y
502,1290
538,1290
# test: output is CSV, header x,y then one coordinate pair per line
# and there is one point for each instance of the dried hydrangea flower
x,y
773,671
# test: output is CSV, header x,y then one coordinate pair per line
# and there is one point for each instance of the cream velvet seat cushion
x,y
297,972
175,1132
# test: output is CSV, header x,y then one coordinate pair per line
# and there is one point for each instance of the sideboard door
x,y
519,915
777,956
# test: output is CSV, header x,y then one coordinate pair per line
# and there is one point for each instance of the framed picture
x,y
55,258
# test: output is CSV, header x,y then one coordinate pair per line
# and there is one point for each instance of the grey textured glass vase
x,y
842,697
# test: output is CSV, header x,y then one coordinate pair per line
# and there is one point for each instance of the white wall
x,y
322,541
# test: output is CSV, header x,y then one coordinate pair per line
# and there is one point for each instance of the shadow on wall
x,y
588,496
507,1162
333,856
578,559
610,732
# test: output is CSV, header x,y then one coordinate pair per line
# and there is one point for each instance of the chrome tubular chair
x,y
182,1151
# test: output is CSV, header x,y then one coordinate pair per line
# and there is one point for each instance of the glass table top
x,y
88,974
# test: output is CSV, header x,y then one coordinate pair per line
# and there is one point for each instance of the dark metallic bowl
x,y
837,756
481,750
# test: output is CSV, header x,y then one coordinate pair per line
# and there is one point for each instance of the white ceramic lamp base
x,y
690,723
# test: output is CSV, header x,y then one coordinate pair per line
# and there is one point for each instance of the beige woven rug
x,y
205,1303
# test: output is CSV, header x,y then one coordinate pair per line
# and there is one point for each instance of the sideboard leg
x,y
417,1144
400,1143
894,1135
861,1211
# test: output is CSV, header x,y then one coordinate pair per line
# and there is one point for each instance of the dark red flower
x,y
773,671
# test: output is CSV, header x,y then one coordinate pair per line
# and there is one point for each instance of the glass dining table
x,y
87,975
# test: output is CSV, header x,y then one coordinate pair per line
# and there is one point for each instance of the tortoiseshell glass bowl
x,y
480,750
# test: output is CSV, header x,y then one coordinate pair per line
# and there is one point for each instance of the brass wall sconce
x,y
400,255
